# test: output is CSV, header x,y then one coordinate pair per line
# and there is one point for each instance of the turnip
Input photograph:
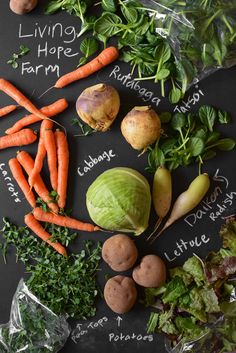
x,y
188,200
141,127
98,106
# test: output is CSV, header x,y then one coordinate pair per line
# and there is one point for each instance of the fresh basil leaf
x,y
178,121
207,116
223,117
89,46
165,117
109,5
195,146
106,25
226,144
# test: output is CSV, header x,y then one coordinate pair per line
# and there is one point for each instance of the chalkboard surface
x,y
53,53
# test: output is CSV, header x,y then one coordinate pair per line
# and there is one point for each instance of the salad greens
x,y
199,299
162,40
64,285
191,138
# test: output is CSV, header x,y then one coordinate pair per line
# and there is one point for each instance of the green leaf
x,y
109,5
106,25
174,290
129,13
175,95
152,323
82,61
178,121
14,65
89,46
162,74
165,117
162,53
52,7
224,117
195,146
208,155
207,116
193,266
212,137
226,144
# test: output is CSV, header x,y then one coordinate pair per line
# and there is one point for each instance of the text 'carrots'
x,y
7,110
20,138
36,227
106,57
27,163
18,175
51,110
63,221
41,152
20,98
63,166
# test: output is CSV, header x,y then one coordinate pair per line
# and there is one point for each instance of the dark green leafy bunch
x,y
84,128
191,138
176,42
16,56
196,302
65,285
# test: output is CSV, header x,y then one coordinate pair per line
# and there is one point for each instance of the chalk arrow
x,y
119,319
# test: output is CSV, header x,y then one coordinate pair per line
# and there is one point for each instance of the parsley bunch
x,y
65,285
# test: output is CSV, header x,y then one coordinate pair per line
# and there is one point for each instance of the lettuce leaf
x,y
174,290
193,266
228,234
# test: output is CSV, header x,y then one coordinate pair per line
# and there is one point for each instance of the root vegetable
x,y
20,7
188,200
98,106
141,127
120,252
120,294
151,272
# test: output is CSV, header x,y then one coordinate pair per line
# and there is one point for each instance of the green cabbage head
x,y
120,200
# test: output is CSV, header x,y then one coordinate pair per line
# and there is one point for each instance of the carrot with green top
x,y
36,227
51,110
106,57
7,110
27,163
21,138
63,167
18,175
63,221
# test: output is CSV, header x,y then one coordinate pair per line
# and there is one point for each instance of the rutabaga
x,y
120,200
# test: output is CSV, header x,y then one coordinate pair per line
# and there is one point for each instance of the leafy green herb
x,y
85,129
16,56
54,197
65,285
88,47
192,139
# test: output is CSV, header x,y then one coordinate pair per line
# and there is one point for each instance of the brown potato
x,y
151,272
120,252
98,106
120,294
20,7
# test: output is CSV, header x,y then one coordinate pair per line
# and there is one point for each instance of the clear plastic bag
x,y
202,41
32,328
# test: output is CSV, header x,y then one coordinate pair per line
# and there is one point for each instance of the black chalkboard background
x,y
218,89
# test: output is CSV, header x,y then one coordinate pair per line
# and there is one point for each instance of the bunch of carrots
x,y
53,146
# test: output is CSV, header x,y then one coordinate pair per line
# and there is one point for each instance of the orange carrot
x,y
50,146
50,110
18,175
20,98
21,138
7,110
41,153
36,227
106,57
27,163
63,166
63,221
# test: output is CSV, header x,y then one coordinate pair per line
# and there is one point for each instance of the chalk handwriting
x,y
131,337
27,68
190,101
8,181
183,246
83,329
90,162
127,81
